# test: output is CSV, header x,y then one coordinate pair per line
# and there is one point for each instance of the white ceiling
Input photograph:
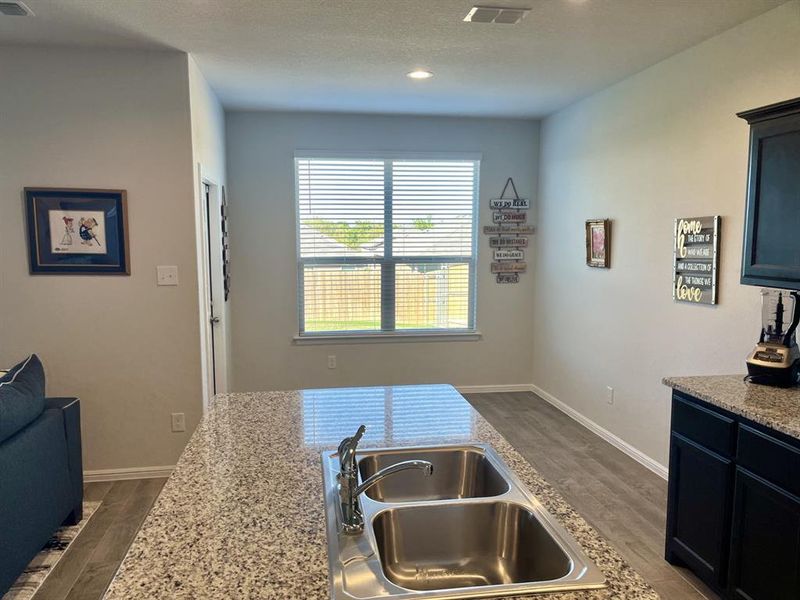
x,y
352,55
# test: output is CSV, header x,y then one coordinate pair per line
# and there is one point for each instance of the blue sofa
x,y
41,472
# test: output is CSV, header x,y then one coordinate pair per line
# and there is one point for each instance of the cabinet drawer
x,y
770,458
703,426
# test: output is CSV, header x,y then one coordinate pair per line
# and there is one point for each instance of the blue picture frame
x,y
77,231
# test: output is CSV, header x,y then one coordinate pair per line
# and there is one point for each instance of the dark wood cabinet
x,y
733,514
771,250
699,524
765,541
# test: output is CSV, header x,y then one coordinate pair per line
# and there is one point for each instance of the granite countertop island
x,y
242,515
776,408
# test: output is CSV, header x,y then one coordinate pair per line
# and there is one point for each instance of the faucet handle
x,y
351,442
347,449
359,434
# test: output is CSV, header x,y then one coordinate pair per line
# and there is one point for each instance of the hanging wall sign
x,y
507,278
509,267
509,203
508,234
508,242
695,260
509,217
508,229
509,254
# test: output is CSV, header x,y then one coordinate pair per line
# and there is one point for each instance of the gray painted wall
x,y
263,299
662,144
129,349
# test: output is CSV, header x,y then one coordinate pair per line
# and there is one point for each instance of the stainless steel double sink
x,y
470,530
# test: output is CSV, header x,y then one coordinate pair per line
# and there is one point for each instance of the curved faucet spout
x,y
349,491
425,466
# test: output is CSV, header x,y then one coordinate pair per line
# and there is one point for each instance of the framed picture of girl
x,y
75,231
598,243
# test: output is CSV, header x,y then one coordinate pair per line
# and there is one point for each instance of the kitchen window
x,y
386,244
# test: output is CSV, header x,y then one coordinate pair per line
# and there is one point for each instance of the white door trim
x,y
214,366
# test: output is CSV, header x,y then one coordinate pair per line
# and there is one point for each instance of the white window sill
x,y
394,337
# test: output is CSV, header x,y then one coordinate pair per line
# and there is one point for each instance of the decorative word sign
x,y
508,229
509,267
508,234
509,254
508,242
509,203
696,260
507,217
507,278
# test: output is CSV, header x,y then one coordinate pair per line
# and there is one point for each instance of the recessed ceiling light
x,y
419,74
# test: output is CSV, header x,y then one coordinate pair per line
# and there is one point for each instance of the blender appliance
x,y
776,358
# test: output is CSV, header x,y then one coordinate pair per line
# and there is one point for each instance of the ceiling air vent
x,y
14,9
496,14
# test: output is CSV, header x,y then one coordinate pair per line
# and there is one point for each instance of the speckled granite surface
x,y
242,515
777,408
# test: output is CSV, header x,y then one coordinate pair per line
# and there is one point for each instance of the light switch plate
x,y
167,275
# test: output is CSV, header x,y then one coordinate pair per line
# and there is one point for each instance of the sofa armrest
x,y
60,403
71,411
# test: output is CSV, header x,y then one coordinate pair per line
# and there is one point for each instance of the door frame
x,y
213,337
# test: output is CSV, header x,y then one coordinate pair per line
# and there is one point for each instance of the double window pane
x,y
385,245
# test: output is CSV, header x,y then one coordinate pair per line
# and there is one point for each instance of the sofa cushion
x,y
21,396
9,373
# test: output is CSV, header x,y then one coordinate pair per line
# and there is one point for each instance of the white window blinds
x,y
386,244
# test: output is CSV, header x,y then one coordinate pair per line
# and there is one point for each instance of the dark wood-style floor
x,y
620,498
624,501
93,558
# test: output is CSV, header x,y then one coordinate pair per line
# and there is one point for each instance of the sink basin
x,y
466,545
458,473
470,530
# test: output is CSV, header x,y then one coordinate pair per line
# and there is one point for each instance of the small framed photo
x,y
73,231
598,243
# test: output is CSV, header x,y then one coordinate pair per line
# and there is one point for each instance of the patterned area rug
x,y
42,564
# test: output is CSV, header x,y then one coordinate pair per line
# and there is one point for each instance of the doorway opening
x,y
212,289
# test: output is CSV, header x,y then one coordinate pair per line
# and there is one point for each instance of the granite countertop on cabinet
x,y
242,515
776,408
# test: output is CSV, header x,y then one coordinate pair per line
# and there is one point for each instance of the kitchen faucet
x,y
349,490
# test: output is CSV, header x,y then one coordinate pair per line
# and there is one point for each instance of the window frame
x,y
388,263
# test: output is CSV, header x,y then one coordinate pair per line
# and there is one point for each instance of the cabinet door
x,y
771,252
698,513
765,544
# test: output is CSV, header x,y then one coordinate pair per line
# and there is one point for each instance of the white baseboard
x,y
637,455
131,473
489,389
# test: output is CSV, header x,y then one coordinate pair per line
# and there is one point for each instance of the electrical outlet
x,y
331,361
178,422
610,394
167,275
